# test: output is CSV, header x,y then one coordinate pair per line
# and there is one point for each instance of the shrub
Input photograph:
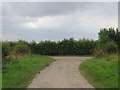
x,y
5,49
110,47
98,52
20,50
107,48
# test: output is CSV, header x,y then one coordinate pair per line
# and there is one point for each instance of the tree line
x,y
64,47
108,43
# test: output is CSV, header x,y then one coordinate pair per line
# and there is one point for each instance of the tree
x,y
109,41
107,35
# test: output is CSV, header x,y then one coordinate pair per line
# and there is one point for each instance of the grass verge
x,y
0,80
22,71
101,72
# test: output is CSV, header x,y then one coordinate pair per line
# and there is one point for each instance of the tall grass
x,y
22,71
101,72
0,80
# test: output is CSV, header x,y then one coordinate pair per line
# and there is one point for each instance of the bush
x,y
20,50
107,48
5,49
98,52
110,47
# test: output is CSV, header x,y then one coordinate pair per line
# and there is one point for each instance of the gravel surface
x,y
62,73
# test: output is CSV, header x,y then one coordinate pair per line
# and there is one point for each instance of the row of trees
x,y
64,47
108,42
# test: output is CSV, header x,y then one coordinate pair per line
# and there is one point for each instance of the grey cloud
x,y
37,9
44,34
34,9
15,14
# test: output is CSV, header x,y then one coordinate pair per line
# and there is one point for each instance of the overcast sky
x,y
57,20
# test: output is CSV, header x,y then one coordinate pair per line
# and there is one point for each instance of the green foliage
x,y
109,41
107,48
107,35
85,47
64,47
110,47
47,48
101,72
33,46
21,49
22,71
6,62
5,49
97,52
67,47
13,49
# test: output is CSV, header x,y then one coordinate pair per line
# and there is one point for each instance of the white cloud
x,y
47,22
77,19
8,37
98,22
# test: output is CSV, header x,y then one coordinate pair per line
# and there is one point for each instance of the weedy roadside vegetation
x,y
102,70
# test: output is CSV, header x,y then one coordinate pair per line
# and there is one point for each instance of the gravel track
x,y
62,73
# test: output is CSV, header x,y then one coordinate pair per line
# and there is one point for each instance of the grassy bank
x,y
101,72
22,71
0,81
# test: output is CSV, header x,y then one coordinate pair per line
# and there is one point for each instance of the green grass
x,y
0,81
22,71
101,72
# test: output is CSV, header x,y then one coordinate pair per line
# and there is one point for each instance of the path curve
x,y
62,73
